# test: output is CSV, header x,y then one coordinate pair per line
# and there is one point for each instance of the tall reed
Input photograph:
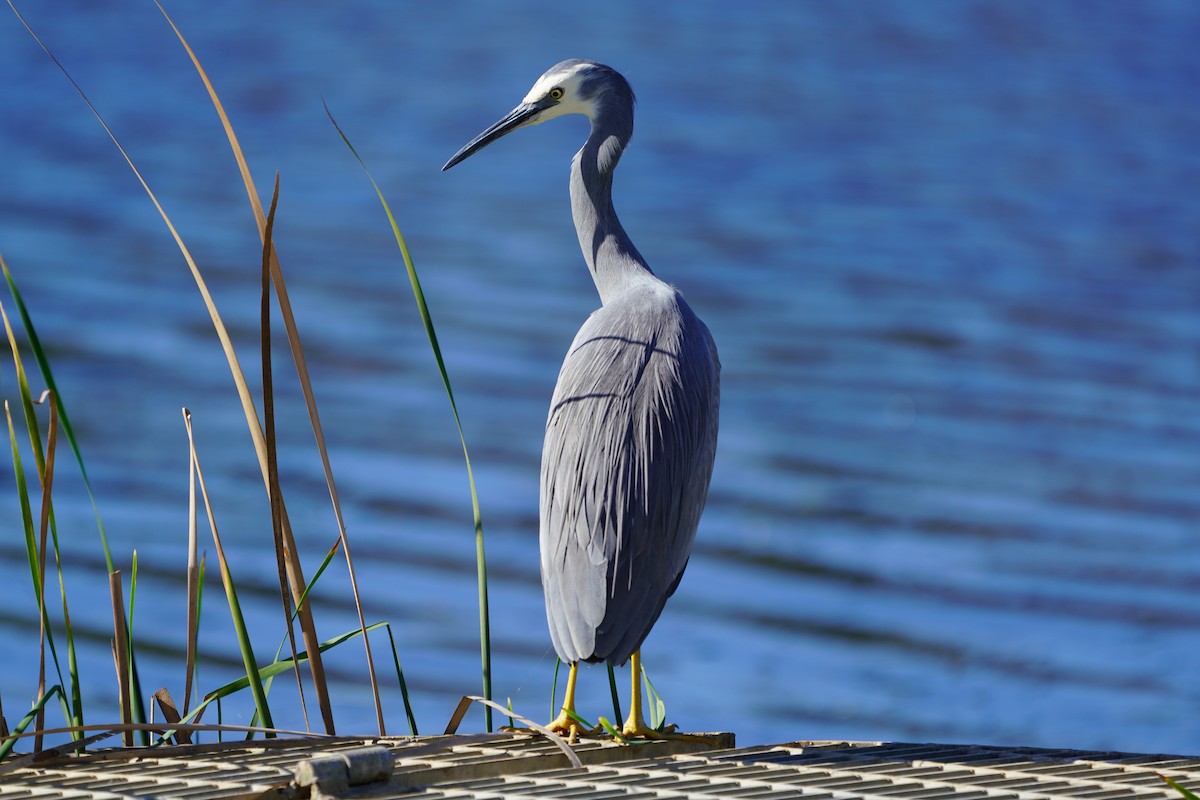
x,y
485,637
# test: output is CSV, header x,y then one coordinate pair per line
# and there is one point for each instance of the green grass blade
x,y
63,421
253,677
137,704
612,687
616,734
8,744
31,549
36,563
408,710
279,667
39,355
1188,795
583,722
554,690
45,464
485,644
287,637
311,584
655,705
43,531
72,658
269,671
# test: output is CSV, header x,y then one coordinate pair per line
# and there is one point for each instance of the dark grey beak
x,y
513,120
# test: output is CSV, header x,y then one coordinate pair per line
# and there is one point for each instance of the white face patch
x,y
569,81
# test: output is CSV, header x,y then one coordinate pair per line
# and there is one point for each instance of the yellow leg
x,y
635,724
564,724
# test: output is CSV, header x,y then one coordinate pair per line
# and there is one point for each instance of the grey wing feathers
x,y
626,465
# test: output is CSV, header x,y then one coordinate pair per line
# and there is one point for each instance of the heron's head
x,y
574,86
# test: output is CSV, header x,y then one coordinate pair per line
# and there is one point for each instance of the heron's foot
x,y
633,730
668,733
569,728
637,729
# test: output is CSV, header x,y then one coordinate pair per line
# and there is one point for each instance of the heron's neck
x,y
612,259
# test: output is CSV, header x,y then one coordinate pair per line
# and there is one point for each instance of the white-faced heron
x,y
632,428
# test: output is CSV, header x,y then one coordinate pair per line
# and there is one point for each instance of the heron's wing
x,y
626,464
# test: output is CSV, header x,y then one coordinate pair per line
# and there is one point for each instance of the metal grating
x,y
515,766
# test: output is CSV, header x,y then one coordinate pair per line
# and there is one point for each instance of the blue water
x,y
950,252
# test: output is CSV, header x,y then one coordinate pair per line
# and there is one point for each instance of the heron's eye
x,y
556,93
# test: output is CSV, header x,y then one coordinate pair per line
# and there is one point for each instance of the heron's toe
x,y
568,727
634,731
639,730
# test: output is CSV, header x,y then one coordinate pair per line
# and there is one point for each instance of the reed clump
x,y
46,421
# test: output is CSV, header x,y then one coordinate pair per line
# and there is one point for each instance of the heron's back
x,y
626,464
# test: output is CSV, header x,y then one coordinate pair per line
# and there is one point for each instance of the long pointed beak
x,y
521,115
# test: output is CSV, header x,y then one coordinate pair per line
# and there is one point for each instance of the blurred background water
x,y
949,251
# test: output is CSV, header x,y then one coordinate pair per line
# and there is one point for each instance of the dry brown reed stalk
x,y
170,713
301,738
193,598
460,711
274,493
121,652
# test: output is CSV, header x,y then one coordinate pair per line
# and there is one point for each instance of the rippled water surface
x,y
949,252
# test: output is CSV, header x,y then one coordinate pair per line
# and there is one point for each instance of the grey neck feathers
x,y
612,259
